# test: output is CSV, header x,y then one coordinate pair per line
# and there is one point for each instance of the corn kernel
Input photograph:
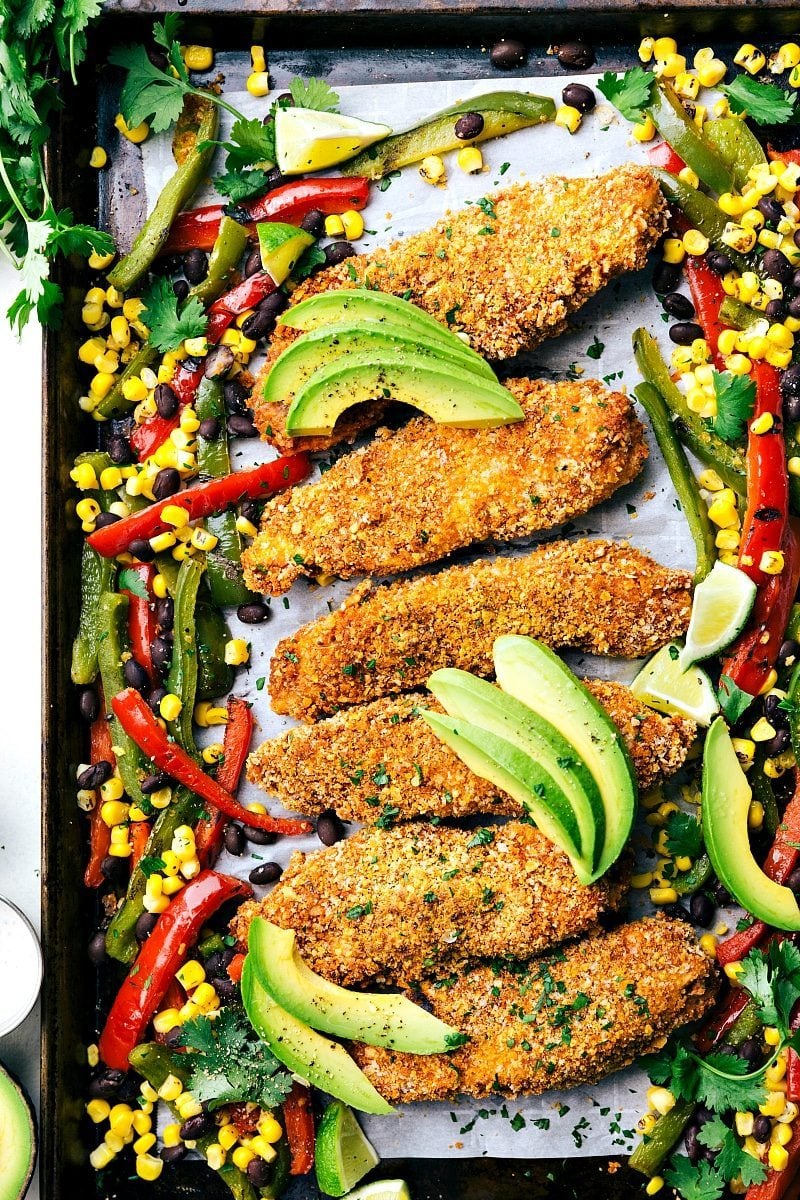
x,y
120,1119
165,1020
470,160
190,869
708,944
262,1148
711,72
673,250
114,812
237,652
100,1157
148,1167
662,47
690,177
98,1110
755,815
663,895
722,512
334,226
671,67
353,223
227,1136
778,1158
645,131
738,364
215,1156
781,1135
242,1157
258,83
772,562
196,346
205,996
726,344
779,358
568,117
738,238
170,1089
188,1107
654,1185
137,134
201,539
247,345
171,1134
660,1099
270,1129
789,1114
432,169
776,1071
213,753
191,974
144,1143
695,242
198,58
749,57
170,707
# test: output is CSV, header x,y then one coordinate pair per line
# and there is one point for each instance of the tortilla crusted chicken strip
x,y
589,595
399,904
413,496
509,290
561,1021
383,757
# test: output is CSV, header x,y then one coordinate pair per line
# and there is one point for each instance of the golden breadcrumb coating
x,y
590,595
336,762
413,496
508,289
400,904
566,1019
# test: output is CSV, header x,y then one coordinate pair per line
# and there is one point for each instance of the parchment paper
x,y
589,1121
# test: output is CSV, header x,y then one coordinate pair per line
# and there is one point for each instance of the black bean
x,y
508,54
209,429
113,869
793,882
274,177
268,872
789,652
251,510
468,126
750,1051
235,396
119,449
719,262
135,675
258,325
154,698
577,95
253,613
97,948
779,743
682,334
195,265
337,252
154,783
770,209
678,306
770,704
776,310
274,303
241,426
794,306
88,704
259,837
252,264
721,894
145,926
106,1084
161,653
777,266
157,58
166,483
708,1155
676,912
171,1154
577,56
227,990
234,839
218,362
666,277
692,1145
762,1129
174,1037
329,828
790,383
195,1127
796,240
165,612
96,775
104,519
702,909
166,400
181,289
140,548
314,223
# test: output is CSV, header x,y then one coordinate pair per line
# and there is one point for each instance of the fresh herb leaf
x,y
684,835
596,349
228,1065
764,103
631,93
149,865
732,700
251,144
308,262
241,185
168,326
314,93
131,581
736,398
702,1182
483,837
731,1160
148,94
720,1087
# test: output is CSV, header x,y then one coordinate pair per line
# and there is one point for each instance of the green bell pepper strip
x,y
116,404
703,213
695,878
202,116
214,676
502,112
738,315
97,579
686,486
737,147
112,643
225,255
183,672
706,445
762,791
675,126
224,562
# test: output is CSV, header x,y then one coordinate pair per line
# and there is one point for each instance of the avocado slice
x,y
535,675
373,1018
281,245
321,347
17,1138
726,803
515,772
446,393
465,695
322,1062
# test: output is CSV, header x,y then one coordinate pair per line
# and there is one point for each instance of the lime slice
x,y
722,603
342,1154
307,140
663,684
382,1189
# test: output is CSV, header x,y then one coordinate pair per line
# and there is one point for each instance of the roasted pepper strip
x,y
683,481
675,126
224,562
695,878
160,957
726,1017
152,433
141,725
203,117
228,249
502,112
737,147
736,315
290,203
690,428
701,212
662,155
708,295
786,156
765,520
656,1145
97,577
112,644
100,750
214,675
203,500
247,294
210,830
115,404
141,617
182,678
298,1117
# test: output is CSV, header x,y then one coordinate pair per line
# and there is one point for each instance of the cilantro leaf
x,y
228,1065
314,93
149,864
148,94
168,327
165,34
241,185
720,1087
308,262
702,1182
755,979
764,103
684,834
773,981
131,581
251,145
630,93
732,700
736,398
731,1160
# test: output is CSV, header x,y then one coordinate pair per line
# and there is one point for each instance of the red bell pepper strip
x,y
767,513
787,156
777,1183
707,296
781,860
153,432
235,967
100,750
202,501
753,656
141,617
159,958
290,203
298,1117
247,294
139,834
665,157
210,830
714,1031
140,723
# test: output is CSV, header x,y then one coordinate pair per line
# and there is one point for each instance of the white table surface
x,y
20,648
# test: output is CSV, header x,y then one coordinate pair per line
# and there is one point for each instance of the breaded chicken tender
x,y
413,496
497,272
380,757
566,1019
399,904
595,596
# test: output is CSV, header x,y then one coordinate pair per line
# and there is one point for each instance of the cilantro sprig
x,y
684,835
764,103
168,323
630,93
736,398
228,1065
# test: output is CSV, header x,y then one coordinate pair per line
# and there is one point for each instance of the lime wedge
x,y
663,684
382,1189
307,140
342,1154
722,603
